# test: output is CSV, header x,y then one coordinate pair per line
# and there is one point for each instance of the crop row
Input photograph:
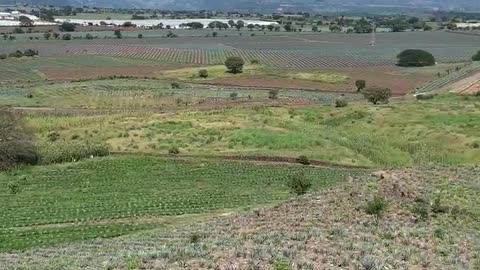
x,y
109,189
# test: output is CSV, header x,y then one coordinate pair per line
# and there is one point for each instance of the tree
x,y
140,35
288,27
89,36
25,21
214,34
128,24
240,24
415,58
231,23
360,84
314,28
47,35
118,34
273,94
476,57
15,142
250,27
377,94
270,27
67,37
234,64
67,27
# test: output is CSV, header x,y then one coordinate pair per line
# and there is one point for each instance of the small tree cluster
x,y
19,54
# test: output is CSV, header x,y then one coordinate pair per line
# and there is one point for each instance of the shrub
x,y
58,152
377,94
175,85
234,64
360,84
15,145
67,37
303,160
3,56
377,207
140,35
273,94
16,54
341,102
415,58
53,136
424,96
476,57
174,150
214,34
233,95
89,36
30,53
255,62
14,187
47,35
203,73
118,34
299,183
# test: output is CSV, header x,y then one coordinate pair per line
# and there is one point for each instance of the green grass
x,y
443,130
220,72
115,196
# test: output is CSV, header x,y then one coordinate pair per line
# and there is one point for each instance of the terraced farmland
x,y
111,197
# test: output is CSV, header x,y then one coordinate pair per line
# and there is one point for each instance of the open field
x,y
327,229
442,130
99,199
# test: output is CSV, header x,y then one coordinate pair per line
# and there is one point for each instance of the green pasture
x,y
442,130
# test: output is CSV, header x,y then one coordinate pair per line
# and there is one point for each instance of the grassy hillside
x,y
442,130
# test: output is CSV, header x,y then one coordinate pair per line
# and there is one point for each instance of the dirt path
x,y
469,85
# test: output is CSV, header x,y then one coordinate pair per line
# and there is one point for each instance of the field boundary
x,y
250,158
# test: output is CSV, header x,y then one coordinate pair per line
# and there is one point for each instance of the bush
x,y
255,62
360,84
58,152
118,34
89,36
175,85
203,73
53,136
377,94
341,102
299,183
424,96
273,94
415,58
233,96
67,37
234,64
214,34
17,54
174,150
14,187
3,56
140,35
47,35
377,207
30,53
476,57
303,160
15,145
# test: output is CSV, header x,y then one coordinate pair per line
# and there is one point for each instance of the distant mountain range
x,y
270,5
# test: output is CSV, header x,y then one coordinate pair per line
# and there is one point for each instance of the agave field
x,y
111,197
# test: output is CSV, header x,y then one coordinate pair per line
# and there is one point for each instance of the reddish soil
x,y
473,89
93,73
381,75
